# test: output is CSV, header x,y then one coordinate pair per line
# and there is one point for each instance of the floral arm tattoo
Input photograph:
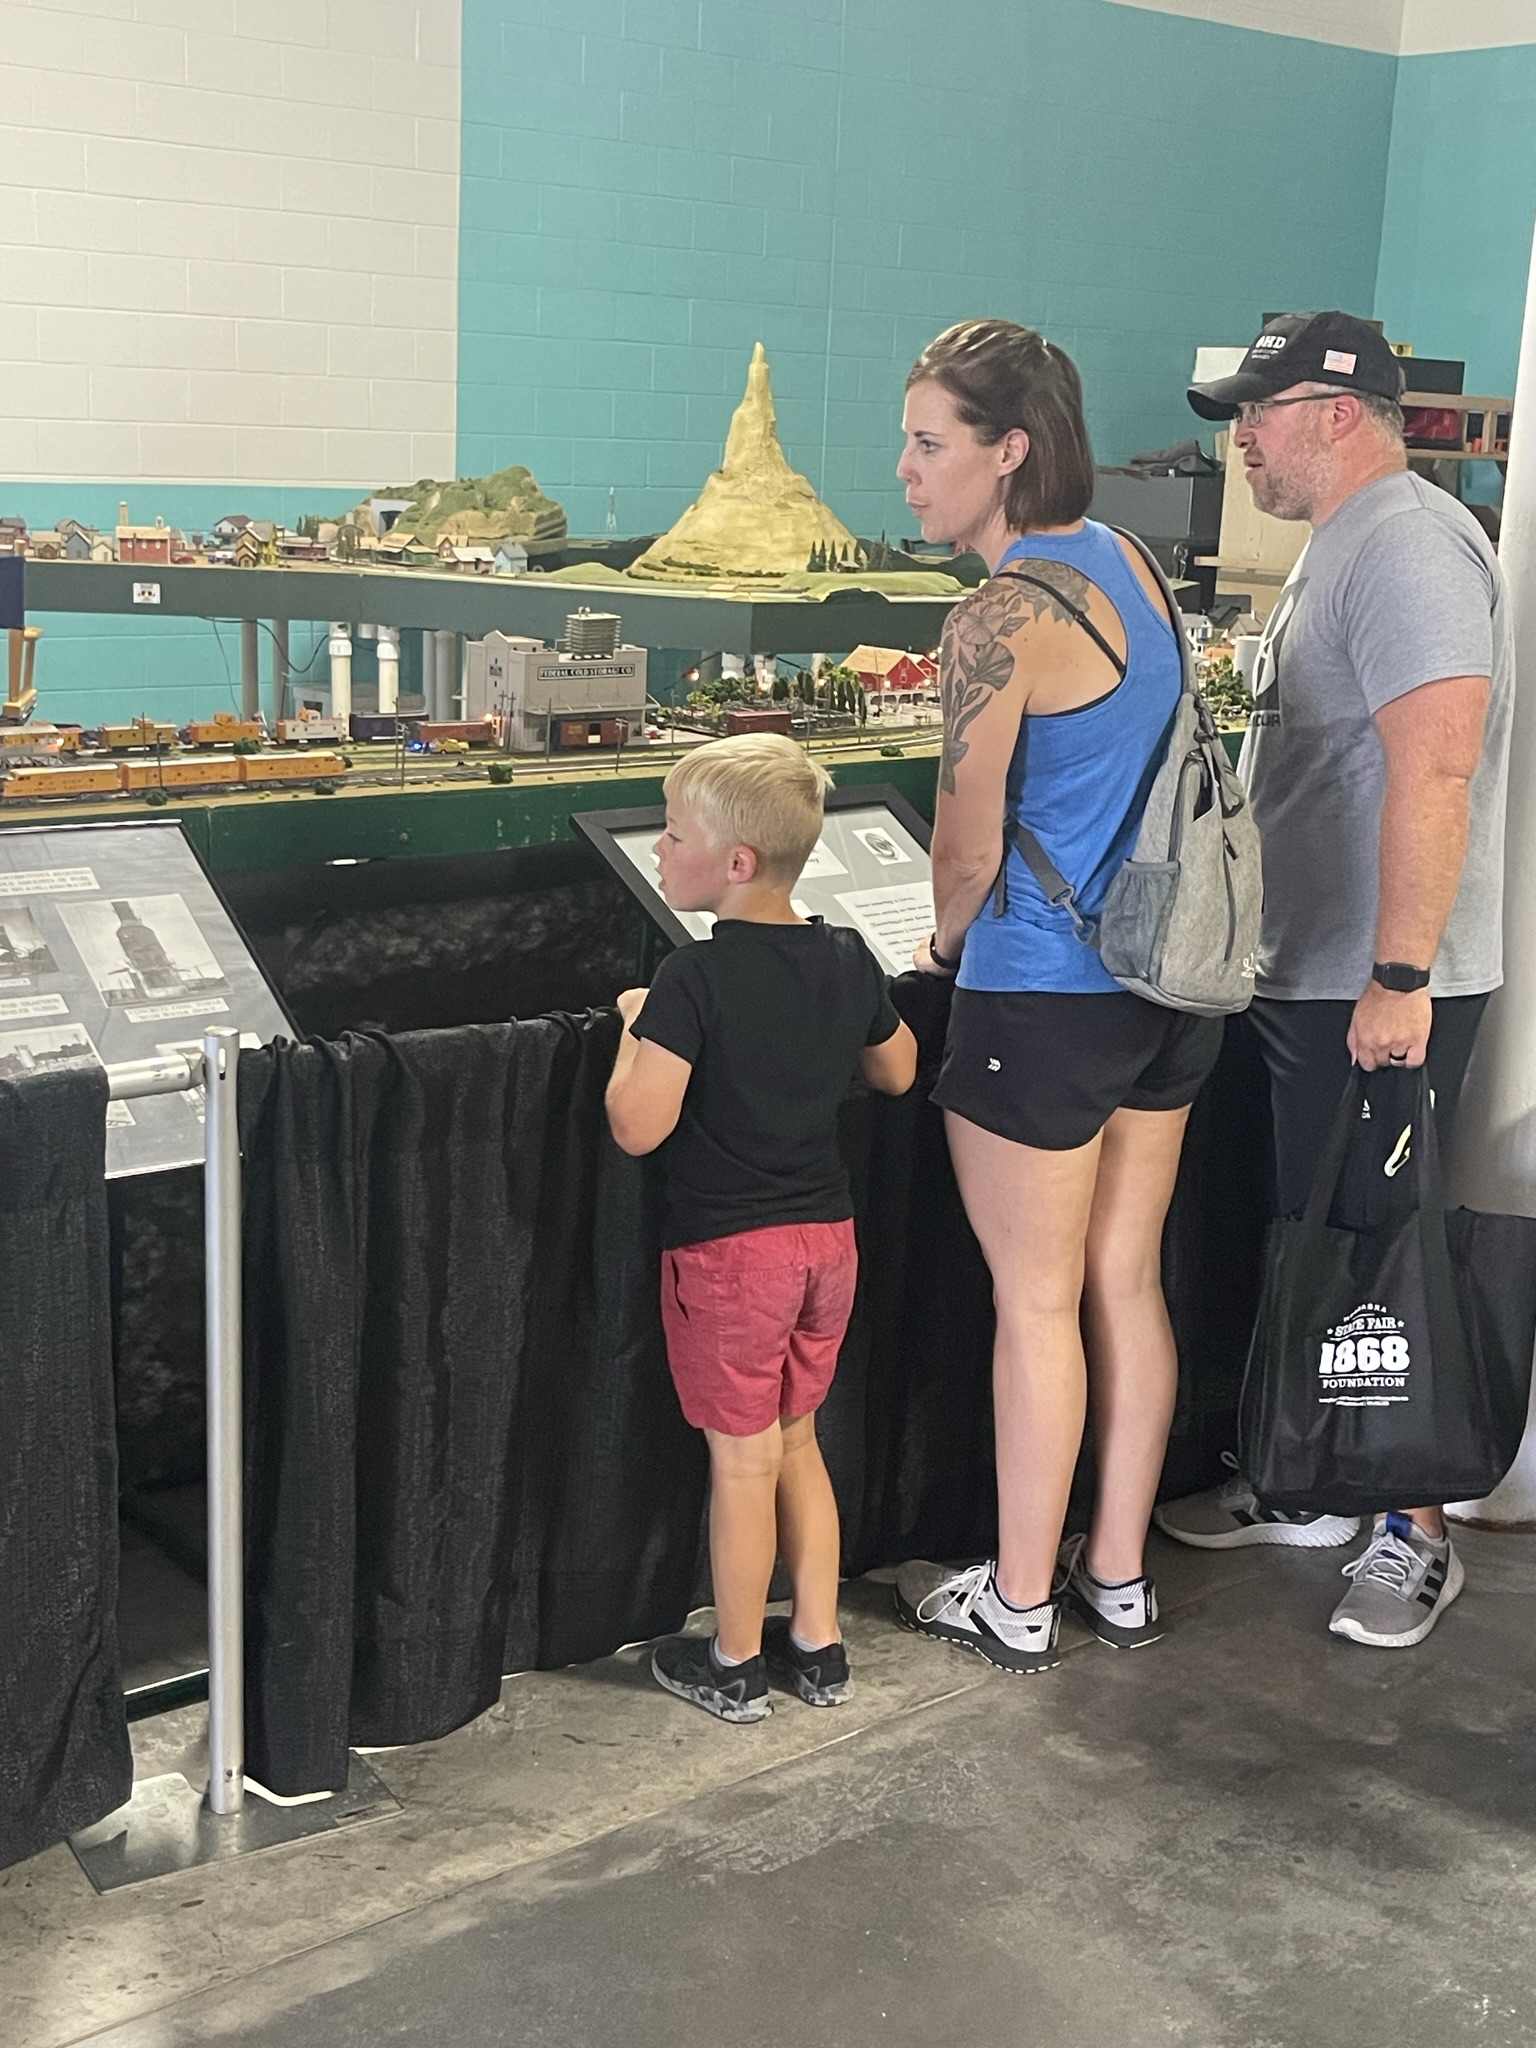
x,y
975,659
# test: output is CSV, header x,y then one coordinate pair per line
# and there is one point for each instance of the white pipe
x,y
1496,1135
429,671
340,650
446,637
389,669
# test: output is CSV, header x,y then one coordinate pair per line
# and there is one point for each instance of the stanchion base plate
x,y
167,1826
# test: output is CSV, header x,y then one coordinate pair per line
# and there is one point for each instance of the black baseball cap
x,y
1304,348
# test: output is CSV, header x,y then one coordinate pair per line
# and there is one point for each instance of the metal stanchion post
x,y
226,1518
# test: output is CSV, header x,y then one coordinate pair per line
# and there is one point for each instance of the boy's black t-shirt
x,y
772,1018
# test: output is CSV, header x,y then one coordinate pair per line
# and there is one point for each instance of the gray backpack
x,y
1180,925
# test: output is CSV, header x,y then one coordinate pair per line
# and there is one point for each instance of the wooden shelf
x,y
1464,403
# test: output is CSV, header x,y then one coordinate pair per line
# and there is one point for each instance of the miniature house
x,y
150,545
510,559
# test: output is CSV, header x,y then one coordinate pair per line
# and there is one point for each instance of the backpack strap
x,y
1058,891
1082,618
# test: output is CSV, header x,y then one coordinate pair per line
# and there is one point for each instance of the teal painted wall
x,y
1461,202
651,185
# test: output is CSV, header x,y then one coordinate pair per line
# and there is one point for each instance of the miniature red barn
x,y
881,670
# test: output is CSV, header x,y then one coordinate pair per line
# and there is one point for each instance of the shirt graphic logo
x,y
1364,1360
994,1066
1266,669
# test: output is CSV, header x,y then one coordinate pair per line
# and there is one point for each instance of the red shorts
x,y
754,1323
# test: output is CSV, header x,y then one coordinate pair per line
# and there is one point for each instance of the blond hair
x,y
757,789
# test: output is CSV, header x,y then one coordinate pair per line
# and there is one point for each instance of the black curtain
x,y
464,1454
64,1756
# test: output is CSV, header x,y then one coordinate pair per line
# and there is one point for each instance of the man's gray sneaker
x,y
1403,1583
965,1607
1124,1616
1230,1516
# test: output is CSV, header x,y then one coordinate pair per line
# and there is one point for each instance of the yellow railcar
x,y
29,783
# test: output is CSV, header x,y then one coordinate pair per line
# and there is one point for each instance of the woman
x,y
1065,1097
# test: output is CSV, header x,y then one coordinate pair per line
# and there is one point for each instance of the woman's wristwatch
x,y
945,965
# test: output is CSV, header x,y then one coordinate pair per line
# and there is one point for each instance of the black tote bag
x,y
1383,1372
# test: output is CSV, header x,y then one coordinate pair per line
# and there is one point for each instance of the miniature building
x,y
247,549
529,687
880,669
510,559
146,544
230,527
45,547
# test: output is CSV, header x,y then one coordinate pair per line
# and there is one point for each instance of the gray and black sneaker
x,y
1403,1583
1124,1615
1230,1516
686,1665
820,1677
966,1608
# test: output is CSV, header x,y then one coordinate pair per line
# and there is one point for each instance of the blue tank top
x,y
1079,780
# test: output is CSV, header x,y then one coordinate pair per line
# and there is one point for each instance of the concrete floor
x,y
1251,1835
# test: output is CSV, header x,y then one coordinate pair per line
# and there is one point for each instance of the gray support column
x,y
279,671
226,1511
1496,1135
250,670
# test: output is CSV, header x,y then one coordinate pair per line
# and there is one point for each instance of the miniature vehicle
x,y
288,767
30,745
186,771
310,726
30,783
224,729
445,746
143,732
776,720
595,732
472,732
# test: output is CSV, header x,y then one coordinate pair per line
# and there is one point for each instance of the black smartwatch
x,y
939,960
1400,978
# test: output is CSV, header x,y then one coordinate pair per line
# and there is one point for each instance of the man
x,y
1376,761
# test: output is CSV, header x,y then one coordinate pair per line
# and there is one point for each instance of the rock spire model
x,y
756,519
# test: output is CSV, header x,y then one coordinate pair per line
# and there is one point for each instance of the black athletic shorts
x,y
1050,1070
1306,1049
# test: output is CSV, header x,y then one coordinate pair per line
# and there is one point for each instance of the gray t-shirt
x,y
1398,588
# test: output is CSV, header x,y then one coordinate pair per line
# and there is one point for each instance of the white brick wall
x,y
228,240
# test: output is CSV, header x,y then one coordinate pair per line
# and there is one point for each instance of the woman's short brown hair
x,y
1000,376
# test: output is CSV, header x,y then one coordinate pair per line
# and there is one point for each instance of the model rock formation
x,y
756,519
479,510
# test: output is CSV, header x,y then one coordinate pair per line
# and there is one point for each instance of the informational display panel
x,y
115,946
869,869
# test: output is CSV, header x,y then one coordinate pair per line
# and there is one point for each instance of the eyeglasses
x,y
1254,412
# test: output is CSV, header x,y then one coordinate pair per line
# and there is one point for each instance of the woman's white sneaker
x,y
1124,1616
1230,1517
966,1608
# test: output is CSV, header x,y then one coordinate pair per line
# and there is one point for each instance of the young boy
x,y
738,1057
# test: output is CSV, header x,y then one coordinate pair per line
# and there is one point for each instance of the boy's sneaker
x,y
820,1677
731,1692
1230,1516
966,1608
1124,1616
1404,1581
